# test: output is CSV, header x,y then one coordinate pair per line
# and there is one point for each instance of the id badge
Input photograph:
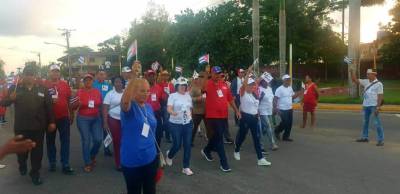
x,y
40,94
220,94
166,90
91,104
145,130
55,96
204,95
153,97
104,88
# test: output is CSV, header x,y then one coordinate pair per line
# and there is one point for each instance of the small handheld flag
x,y
178,69
348,60
132,51
155,66
204,59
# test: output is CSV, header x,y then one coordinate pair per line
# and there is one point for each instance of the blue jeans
x,y
63,128
266,131
368,110
216,141
91,136
247,122
181,134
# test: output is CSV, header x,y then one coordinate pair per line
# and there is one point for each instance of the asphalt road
x,y
322,160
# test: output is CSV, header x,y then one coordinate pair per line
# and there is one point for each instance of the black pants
x,y
159,129
36,153
286,123
197,118
141,178
247,122
215,140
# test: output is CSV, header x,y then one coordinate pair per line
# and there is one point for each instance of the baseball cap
x,y
182,81
126,69
216,69
286,76
54,67
29,70
88,75
150,71
372,71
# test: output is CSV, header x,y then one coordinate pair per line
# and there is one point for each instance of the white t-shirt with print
x,y
266,103
113,99
181,104
371,95
249,104
285,95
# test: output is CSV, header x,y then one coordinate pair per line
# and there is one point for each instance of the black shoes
x,y
287,139
23,171
380,143
68,171
362,140
36,180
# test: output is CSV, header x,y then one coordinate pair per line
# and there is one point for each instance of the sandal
x,y
93,163
88,169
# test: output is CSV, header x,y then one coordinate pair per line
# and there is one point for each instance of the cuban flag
x,y
81,60
204,59
155,66
178,69
132,51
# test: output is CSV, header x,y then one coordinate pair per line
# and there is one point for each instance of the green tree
x,y
389,52
79,50
113,44
2,72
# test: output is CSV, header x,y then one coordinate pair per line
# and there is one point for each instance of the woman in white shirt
x,y
112,117
179,107
265,110
249,105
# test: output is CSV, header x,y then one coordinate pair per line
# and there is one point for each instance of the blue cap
x,y
216,69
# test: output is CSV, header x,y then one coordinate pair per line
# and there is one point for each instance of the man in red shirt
x,y
60,93
154,99
168,88
218,98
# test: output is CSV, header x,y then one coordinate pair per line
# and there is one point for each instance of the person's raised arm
x,y
246,79
354,77
126,99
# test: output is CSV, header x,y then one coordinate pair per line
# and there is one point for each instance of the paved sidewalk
x,y
350,107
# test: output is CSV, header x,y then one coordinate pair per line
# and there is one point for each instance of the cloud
x,y
30,17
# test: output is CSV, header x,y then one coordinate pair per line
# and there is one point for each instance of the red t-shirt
x,y
154,99
167,88
62,92
90,101
218,97
310,95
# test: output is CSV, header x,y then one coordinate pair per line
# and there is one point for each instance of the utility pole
x,y
67,34
354,42
343,16
282,38
256,35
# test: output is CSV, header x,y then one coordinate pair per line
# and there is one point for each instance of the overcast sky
x,y
26,24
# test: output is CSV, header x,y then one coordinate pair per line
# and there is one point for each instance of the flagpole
x,y
137,48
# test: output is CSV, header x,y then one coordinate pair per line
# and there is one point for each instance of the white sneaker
x,y
167,159
263,162
236,155
187,171
2,166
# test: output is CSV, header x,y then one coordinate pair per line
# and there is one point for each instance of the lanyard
x,y
143,113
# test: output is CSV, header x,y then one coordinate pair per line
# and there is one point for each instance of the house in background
x,y
91,62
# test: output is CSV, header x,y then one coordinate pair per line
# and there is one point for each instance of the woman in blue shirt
x,y
139,159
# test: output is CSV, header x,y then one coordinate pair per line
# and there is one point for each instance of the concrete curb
x,y
350,107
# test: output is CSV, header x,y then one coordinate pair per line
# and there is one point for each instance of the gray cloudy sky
x,y
26,24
